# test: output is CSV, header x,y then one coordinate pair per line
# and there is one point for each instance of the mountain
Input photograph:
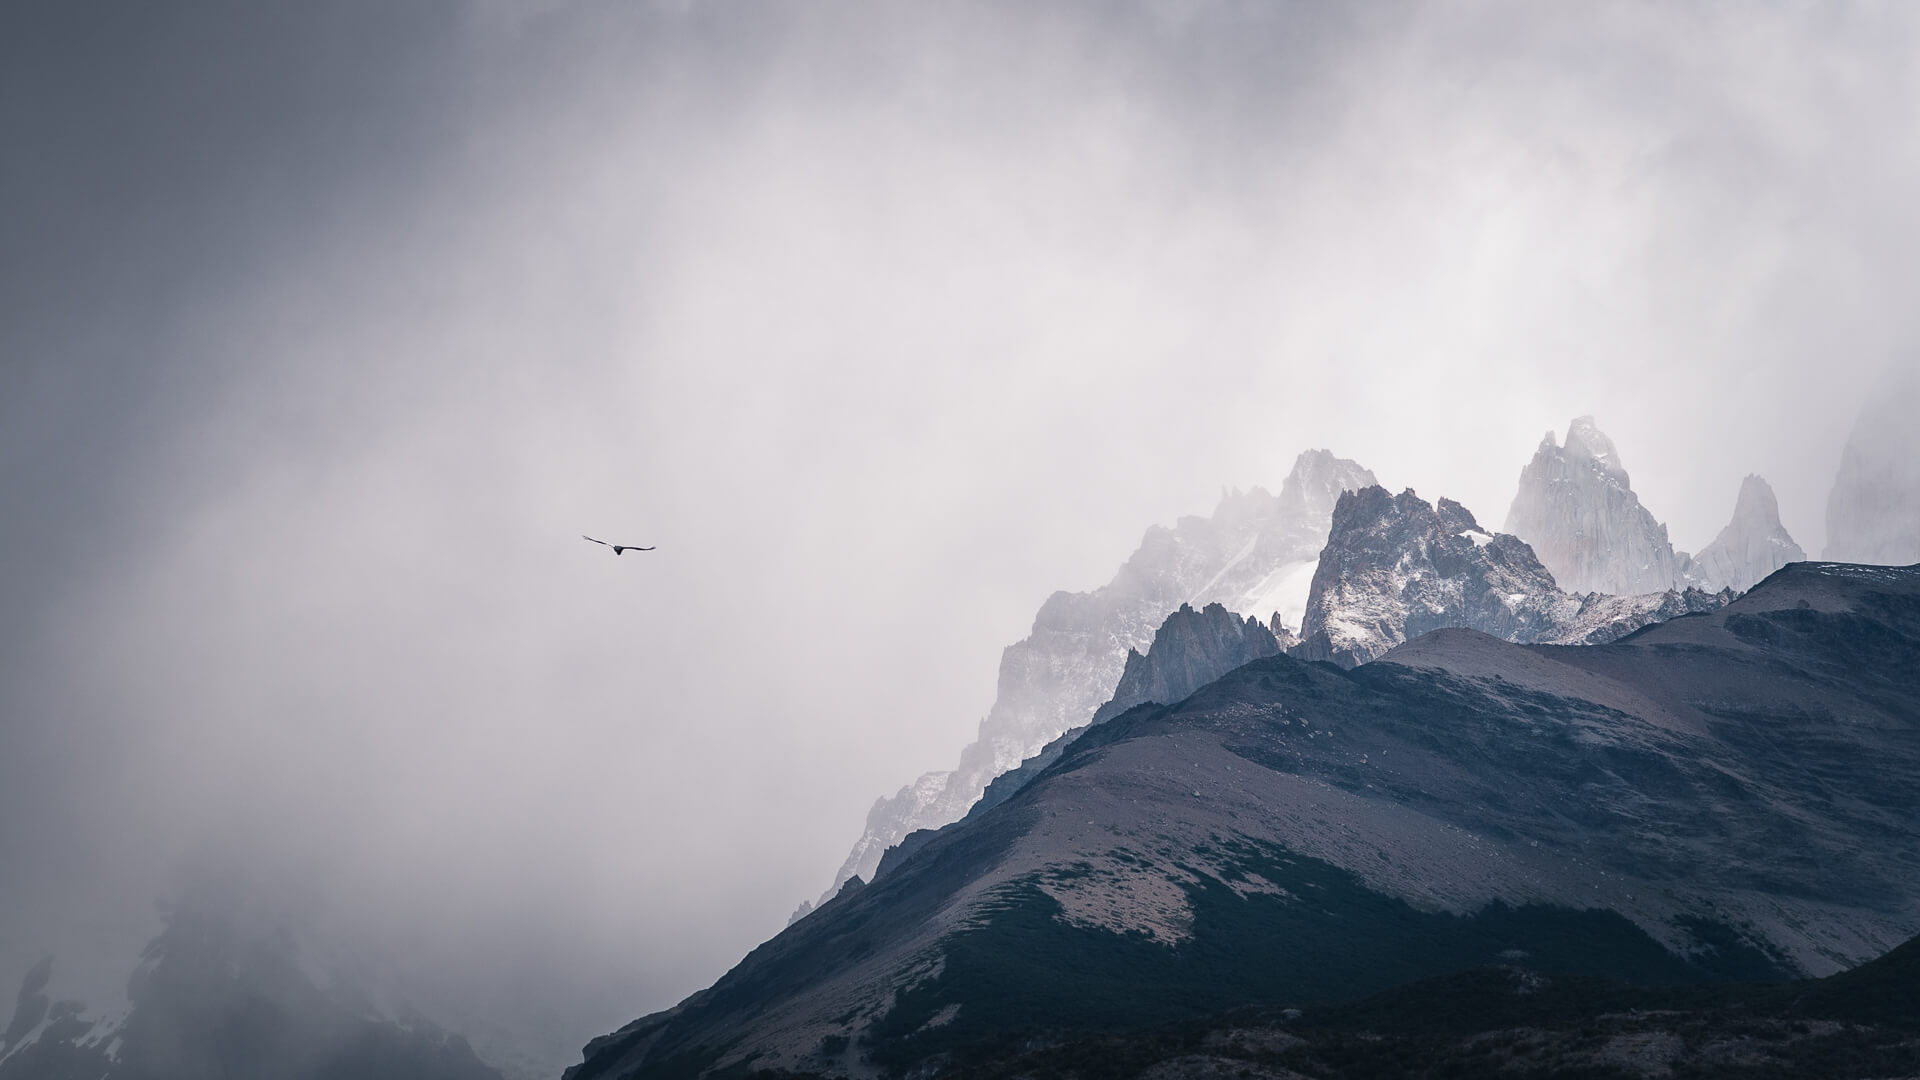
x,y
211,999
1577,509
1396,567
1873,511
1720,797
1255,555
1753,545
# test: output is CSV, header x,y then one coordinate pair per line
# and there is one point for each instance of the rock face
x,y
212,1000
1753,545
1396,567
1873,511
1577,509
1255,555
1726,797
1191,649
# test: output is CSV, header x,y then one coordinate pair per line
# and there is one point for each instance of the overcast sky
x,y
327,329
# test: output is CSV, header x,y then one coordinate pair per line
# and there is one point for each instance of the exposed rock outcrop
x,y
1191,649
1396,567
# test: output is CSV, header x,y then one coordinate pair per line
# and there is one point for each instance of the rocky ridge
x,y
1191,649
1396,567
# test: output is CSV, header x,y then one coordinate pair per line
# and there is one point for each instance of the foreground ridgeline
x,y
1716,800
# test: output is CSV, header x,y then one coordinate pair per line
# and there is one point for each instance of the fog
x,y
326,331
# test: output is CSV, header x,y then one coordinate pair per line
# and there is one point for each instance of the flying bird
x,y
617,548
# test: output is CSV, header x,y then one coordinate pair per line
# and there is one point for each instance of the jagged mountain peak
x,y
1318,478
1586,442
1756,504
1576,507
1396,567
1753,545
1191,648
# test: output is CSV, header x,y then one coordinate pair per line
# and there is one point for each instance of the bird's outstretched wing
x,y
628,547
602,543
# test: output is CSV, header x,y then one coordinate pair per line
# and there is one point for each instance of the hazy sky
x,y
326,329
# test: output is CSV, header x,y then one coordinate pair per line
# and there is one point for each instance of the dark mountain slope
x,y
1515,1023
1722,797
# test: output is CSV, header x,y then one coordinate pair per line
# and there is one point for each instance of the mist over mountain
x,y
1191,649
327,329
1577,509
1667,808
1873,511
1753,545
1255,553
223,992
1377,571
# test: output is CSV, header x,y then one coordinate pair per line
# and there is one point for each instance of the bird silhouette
x,y
617,548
